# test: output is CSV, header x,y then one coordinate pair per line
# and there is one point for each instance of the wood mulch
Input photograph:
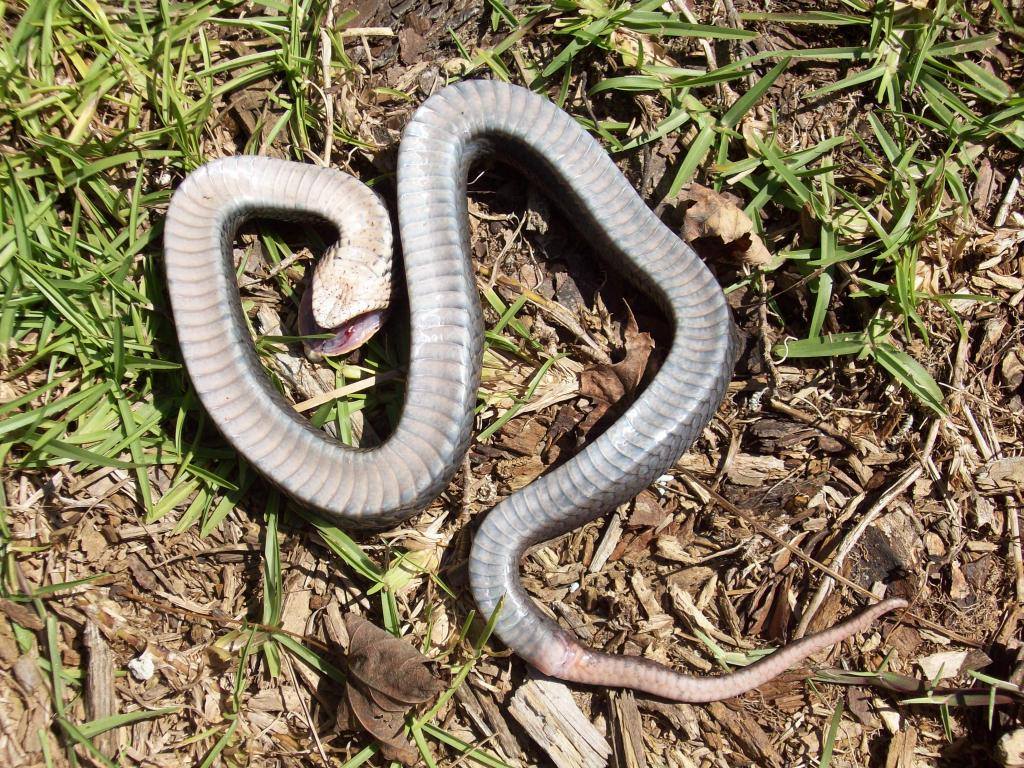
x,y
830,457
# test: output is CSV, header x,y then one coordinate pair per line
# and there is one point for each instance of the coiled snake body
x,y
384,485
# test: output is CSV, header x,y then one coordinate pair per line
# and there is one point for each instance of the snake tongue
x,y
350,335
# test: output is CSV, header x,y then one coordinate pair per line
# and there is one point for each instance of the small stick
x,y
223,621
1014,518
325,67
702,488
367,32
1008,198
908,479
348,389
305,709
820,424
1015,545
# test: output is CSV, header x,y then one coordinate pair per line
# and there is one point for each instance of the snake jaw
x,y
349,296
348,335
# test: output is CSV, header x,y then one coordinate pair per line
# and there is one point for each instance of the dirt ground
x,y
828,456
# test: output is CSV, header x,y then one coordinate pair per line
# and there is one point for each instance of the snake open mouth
x,y
348,336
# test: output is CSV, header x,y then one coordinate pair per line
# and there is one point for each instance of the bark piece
x,y
547,712
629,731
100,699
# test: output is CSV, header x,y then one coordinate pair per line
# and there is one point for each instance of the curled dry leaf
x,y
1003,473
387,678
1012,368
718,228
608,384
637,49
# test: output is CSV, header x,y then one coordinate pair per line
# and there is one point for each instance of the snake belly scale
x,y
379,487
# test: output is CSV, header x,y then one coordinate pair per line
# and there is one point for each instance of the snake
x,y
377,488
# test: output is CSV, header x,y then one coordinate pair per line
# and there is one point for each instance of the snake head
x,y
349,297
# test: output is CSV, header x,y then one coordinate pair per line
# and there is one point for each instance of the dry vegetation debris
x,y
861,203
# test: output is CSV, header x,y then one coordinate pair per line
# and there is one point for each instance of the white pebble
x,y
142,667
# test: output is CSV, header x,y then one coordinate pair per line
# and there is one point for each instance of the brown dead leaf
x,y
607,384
385,726
388,664
718,228
388,677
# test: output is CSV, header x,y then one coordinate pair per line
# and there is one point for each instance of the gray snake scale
x,y
379,487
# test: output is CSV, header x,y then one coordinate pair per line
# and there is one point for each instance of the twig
x,y
466,756
1008,198
956,379
348,389
223,621
367,32
766,345
850,541
499,261
1014,518
702,489
305,710
725,93
1015,547
737,23
286,262
325,68
979,439
819,424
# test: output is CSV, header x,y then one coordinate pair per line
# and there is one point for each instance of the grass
x,y
933,109
104,109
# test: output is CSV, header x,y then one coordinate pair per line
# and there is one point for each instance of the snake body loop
x,y
383,485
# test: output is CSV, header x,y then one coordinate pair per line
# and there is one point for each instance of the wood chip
x,y
21,614
753,739
100,699
612,534
487,718
547,712
745,469
628,740
901,749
